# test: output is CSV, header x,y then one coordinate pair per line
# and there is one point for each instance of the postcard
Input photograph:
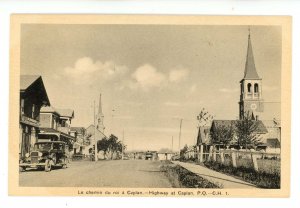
x,y
150,105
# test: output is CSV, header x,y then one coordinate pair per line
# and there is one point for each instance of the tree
x,y
222,134
102,145
246,132
110,145
183,150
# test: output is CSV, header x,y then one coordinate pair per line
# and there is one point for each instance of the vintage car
x,y
45,155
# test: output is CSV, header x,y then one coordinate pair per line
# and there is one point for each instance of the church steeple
x,y
100,117
251,102
250,69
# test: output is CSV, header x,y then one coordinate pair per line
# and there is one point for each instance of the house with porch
x,y
55,125
33,96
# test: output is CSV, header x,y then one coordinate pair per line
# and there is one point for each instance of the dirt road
x,y
117,173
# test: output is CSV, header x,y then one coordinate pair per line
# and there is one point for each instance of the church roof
x,y
250,69
261,128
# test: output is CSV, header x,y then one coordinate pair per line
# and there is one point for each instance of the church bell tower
x,y
251,88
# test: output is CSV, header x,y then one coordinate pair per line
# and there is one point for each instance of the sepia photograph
x,y
137,105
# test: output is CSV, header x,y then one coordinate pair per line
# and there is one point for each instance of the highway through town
x,y
103,173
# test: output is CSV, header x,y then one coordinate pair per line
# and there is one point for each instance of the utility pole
x,y
172,144
96,148
180,133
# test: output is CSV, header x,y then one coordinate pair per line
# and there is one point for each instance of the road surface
x,y
116,173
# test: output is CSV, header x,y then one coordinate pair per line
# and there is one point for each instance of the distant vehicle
x,y
148,156
45,155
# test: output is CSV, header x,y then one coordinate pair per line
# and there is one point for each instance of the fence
x,y
259,161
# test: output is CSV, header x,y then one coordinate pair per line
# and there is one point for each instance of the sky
x,y
151,76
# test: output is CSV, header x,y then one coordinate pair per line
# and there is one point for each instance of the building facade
x,y
33,96
55,125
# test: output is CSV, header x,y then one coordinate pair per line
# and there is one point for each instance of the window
x,y
22,106
249,87
33,109
255,88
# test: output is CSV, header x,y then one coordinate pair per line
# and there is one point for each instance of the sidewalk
x,y
215,177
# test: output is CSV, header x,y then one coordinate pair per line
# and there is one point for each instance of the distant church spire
x,y
100,116
250,69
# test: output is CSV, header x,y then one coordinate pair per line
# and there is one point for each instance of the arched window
x,y
255,88
249,87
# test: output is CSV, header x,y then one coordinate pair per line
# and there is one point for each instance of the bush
x,y
260,179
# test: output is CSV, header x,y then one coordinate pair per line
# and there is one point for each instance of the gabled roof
x,y
78,129
260,126
27,80
49,109
34,84
203,135
250,69
90,130
66,112
273,142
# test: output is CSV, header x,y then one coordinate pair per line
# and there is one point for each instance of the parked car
x,y
45,155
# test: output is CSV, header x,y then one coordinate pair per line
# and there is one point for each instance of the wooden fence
x,y
259,161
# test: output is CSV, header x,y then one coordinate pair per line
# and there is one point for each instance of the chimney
x,y
256,117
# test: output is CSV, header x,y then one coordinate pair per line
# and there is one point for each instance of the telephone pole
x,y
96,148
172,144
180,134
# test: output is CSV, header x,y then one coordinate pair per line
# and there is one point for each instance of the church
x,y
95,131
251,103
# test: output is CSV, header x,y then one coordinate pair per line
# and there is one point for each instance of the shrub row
x,y
181,177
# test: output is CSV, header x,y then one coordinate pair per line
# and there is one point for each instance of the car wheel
x,y
47,166
22,169
65,164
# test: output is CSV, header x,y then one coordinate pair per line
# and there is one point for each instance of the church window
x,y
255,88
249,87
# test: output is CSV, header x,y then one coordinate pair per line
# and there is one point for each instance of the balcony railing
x,y
30,121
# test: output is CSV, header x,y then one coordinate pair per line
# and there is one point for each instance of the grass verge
x,y
260,179
182,178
